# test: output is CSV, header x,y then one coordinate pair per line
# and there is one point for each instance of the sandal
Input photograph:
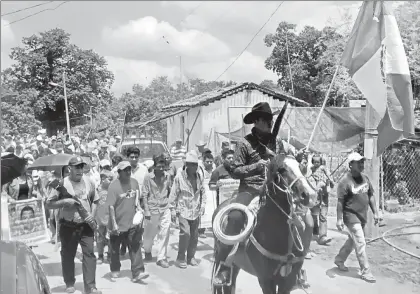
x,y
368,277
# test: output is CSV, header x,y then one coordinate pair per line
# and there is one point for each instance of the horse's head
x,y
284,171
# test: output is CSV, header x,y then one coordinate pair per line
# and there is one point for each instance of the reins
x,y
288,191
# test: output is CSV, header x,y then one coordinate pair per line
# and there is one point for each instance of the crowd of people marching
x,y
125,204
98,195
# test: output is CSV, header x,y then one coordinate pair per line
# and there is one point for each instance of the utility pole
x,y
66,105
372,164
180,75
91,117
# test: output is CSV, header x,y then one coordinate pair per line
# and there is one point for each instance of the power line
x,y
250,42
189,13
33,14
23,9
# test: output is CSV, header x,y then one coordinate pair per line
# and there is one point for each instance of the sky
x,y
145,39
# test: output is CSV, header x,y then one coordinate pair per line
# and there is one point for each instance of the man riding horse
x,y
252,155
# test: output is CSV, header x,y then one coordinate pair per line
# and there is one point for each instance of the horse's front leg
x,y
268,286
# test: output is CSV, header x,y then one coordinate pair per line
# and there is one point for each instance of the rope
x,y
221,216
385,234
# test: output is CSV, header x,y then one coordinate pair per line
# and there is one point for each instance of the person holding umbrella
x,y
20,188
76,229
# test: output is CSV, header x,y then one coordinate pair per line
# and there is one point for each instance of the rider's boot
x,y
222,277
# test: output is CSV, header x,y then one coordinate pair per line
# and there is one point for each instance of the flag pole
x,y
322,108
372,168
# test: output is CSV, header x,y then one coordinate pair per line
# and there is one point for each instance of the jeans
x,y
132,238
159,225
320,217
71,235
356,240
102,241
188,238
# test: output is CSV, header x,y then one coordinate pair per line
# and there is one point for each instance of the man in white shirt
x,y
138,170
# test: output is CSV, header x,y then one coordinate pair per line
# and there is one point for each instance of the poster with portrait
x,y
227,189
210,206
27,222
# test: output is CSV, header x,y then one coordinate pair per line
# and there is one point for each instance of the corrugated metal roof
x,y
163,114
215,95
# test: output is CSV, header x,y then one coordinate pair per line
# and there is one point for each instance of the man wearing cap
x,y
218,160
188,201
123,202
103,152
178,151
105,164
117,141
76,229
155,194
355,194
250,160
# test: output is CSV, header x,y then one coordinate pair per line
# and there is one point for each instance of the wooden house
x,y
205,117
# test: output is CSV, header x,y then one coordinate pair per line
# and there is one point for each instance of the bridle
x,y
291,217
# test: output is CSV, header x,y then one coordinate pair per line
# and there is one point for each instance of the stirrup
x,y
218,271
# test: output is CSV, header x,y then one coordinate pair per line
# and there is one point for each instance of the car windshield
x,y
147,149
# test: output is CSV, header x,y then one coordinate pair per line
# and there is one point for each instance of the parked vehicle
x,y
21,271
148,147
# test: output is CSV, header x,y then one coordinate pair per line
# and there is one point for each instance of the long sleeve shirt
x,y
156,197
183,199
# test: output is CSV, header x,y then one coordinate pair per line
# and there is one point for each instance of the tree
x,y
43,58
304,50
18,115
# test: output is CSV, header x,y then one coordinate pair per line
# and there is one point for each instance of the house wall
x,y
213,118
174,127
215,115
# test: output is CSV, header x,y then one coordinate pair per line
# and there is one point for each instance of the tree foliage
x,y
43,59
314,55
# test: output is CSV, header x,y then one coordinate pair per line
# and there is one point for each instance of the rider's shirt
x,y
247,154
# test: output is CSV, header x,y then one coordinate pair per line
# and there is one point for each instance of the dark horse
x,y
274,252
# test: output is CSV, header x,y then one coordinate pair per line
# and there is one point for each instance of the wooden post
x,y
372,164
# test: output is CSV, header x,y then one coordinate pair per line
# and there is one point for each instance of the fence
x,y
401,173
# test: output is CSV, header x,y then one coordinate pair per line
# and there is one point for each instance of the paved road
x,y
322,275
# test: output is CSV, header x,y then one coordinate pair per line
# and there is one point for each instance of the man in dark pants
x,y
250,161
74,229
188,201
123,201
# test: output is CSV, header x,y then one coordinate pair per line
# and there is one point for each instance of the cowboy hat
x,y
201,143
261,109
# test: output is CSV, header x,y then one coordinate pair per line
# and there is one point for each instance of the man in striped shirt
x,y
178,151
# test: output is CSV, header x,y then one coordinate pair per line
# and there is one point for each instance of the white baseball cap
x,y
354,156
191,157
104,162
149,163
